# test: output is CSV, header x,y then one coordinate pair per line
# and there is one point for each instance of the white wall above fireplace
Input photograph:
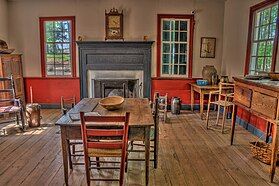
x,y
113,74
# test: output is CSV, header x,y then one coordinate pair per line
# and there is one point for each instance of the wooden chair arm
x,y
214,92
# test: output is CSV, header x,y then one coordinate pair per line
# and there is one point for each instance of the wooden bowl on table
x,y
274,76
112,103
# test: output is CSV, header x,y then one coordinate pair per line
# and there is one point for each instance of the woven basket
x,y
262,151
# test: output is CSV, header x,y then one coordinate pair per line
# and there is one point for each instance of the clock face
x,y
114,21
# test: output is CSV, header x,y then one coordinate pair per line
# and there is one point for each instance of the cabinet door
x,y
19,90
16,66
6,65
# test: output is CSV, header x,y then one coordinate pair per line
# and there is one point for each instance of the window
x,y
175,45
262,40
57,46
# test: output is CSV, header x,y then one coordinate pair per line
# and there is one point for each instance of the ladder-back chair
x,y
9,104
225,100
104,136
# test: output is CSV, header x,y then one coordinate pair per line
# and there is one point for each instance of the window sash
x,y
173,42
259,60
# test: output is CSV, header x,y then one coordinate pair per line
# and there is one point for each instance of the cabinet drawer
x,y
264,104
243,96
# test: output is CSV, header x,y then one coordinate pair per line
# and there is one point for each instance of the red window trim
x,y
253,9
175,16
42,39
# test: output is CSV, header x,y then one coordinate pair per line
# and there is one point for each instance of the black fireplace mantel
x,y
115,55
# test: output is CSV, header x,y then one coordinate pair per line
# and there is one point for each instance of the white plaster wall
x,y
236,23
140,18
4,20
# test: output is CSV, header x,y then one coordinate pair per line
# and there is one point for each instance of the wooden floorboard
x,y
188,155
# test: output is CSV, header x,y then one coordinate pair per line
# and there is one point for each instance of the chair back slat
x,y
104,119
105,145
105,133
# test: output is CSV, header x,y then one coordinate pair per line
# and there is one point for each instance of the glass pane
x,y
257,21
183,48
67,59
182,70
175,69
182,59
49,48
261,48
183,25
66,26
256,34
165,69
253,63
274,14
49,37
58,36
172,58
265,16
254,49
183,36
67,70
173,25
174,36
58,48
260,63
166,36
268,62
263,32
49,26
66,48
166,58
269,48
50,69
50,59
166,25
58,59
166,47
66,37
176,25
272,31
176,58
174,48
58,25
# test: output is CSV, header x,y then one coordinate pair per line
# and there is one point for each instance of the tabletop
x,y
139,108
205,86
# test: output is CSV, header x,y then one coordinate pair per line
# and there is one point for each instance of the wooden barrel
x,y
33,114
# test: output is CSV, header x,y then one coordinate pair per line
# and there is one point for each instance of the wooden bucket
x,y
33,114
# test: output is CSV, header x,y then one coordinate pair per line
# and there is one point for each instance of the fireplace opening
x,y
128,88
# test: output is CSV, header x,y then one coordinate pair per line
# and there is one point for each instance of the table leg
x,y
233,122
64,144
192,99
268,126
275,142
147,153
201,104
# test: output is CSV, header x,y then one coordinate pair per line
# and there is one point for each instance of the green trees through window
x,y
58,47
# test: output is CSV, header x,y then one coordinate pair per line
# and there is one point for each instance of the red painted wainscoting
x,y
175,88
50,90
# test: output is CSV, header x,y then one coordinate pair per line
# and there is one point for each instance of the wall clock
x,y
114,24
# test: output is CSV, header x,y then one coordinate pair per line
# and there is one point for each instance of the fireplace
x,y
115,68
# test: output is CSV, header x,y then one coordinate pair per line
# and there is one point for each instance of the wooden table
x,y
202,90
141,120
261,98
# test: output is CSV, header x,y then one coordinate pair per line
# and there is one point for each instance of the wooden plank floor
x,y
188,155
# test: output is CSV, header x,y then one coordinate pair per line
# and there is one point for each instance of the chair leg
x,y
17,118
70,156
207,114
87,164
218,114
224,119
122,169
98,162
22,119
126,162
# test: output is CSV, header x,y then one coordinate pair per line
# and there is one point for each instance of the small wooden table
x,y
202,90
141,120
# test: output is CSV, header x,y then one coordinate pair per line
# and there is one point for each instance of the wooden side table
x,y
202,90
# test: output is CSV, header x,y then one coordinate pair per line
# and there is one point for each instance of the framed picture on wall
x,y
208,45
